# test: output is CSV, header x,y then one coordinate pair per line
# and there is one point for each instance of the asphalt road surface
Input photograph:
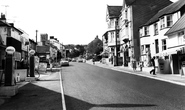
x,y
88,87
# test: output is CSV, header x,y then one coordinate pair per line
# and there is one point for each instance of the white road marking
x,y
62,92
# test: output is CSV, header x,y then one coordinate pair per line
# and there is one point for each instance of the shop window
x,y
157,46
147,48
166,57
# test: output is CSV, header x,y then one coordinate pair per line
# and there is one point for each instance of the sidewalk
x,y
175,79
38,95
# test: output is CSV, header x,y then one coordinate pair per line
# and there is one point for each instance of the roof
x,y
179,25
145,2
4,24
9,25
114,11
172,8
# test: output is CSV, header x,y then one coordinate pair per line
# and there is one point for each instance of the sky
x,y
70,21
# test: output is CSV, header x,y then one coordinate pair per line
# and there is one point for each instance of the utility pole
x,y
36,36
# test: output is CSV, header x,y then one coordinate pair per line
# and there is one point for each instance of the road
x,y
89,87
38,95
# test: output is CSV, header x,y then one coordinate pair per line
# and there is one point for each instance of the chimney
x,y
3,17
12,24
51,37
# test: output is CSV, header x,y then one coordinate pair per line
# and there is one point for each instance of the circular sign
x,y
10,50
32,52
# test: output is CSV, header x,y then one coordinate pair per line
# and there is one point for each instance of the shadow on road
x,y
34,97
76,104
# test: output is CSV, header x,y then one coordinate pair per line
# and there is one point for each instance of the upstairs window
x,y
141,32
156,29
169,20
146,30
164,44
162,21
181,37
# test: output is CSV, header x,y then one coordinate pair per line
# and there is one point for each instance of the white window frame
x,y
162,22
181,37
169,22
156,31
146,30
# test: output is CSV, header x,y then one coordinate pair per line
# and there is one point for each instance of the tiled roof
x,y
172,8
114,11
179,25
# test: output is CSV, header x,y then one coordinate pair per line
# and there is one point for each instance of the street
x,y
89,87
38,95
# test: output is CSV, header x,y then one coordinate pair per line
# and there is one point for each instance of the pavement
x,y
170,78
45,91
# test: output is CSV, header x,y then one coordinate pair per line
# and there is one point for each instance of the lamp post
x,y
116,32
27,44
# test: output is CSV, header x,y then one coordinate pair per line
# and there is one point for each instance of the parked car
x,y
64,62
73,60
80,60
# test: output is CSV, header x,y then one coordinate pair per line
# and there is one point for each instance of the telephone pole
x,y
36,36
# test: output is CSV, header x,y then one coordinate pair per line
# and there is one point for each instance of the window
x,y
156,29
162,21
142,49
157,46
147,48
5,29
181,37
112,36
146,30
164,44
140,32
169,20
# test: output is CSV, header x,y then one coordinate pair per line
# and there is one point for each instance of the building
x,y
135,13
111,35
153,40
11,36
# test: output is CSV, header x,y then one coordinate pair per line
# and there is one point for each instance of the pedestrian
x,y
141,65
134,64
153,65
93,60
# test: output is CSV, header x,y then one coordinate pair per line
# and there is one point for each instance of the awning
x,y
169,51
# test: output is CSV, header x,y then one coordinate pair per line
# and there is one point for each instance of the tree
x,y
95,46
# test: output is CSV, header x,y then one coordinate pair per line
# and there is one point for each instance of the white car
x,y
64,62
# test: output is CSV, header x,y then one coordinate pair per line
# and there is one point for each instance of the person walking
x,y
93,59
153,64
134,64
141,65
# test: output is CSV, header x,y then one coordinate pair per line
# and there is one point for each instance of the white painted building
x,y
153,40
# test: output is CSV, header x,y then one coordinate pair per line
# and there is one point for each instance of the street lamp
x,y
116,32
27,44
